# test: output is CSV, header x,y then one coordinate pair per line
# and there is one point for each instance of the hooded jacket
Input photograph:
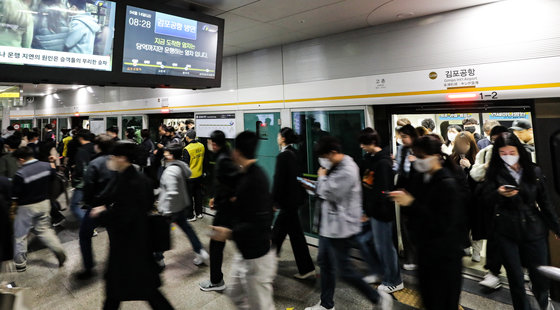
x,y
173,196
81,37
339,201
378,177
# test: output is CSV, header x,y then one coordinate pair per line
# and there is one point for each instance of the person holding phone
x,y
288,196
436,194
523,215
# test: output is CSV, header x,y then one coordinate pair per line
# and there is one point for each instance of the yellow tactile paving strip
x,y
411,298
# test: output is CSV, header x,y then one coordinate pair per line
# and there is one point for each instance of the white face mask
x,y
451,136
510,159
423,165
325,163
399,141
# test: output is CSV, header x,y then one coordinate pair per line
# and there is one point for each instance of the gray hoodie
x,y
173,195
340,201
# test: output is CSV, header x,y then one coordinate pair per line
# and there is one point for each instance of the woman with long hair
x,y
452,133
523,216
436,195
464,155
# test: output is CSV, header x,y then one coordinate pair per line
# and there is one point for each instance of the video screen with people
x,y
57,33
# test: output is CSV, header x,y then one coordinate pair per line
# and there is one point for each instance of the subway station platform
x,y
54,288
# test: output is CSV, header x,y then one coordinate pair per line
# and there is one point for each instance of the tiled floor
x,y
53,288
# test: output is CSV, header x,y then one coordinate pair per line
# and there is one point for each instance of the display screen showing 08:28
x,y
163,44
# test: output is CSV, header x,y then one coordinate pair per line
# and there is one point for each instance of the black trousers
x,y
156,300
493,256
56,215
440,280
409,243
195,190
288,224
530,254
217,249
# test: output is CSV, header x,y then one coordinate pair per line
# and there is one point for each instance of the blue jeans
x,y
385,255
180,218
76,204
86,233
334,255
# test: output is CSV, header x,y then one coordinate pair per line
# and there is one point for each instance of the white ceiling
x,y
256,24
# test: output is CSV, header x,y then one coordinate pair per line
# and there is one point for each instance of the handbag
x,y
160,233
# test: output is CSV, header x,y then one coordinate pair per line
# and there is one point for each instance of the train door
x,y
442,119
267,126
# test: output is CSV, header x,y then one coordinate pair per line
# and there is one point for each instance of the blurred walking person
x,y
288,196
132,273
226,173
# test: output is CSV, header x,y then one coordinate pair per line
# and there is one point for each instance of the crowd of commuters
x,y
447,193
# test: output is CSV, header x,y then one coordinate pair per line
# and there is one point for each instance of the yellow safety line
x,y
366,96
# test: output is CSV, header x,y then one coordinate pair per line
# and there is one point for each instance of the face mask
x,y
210,148
325,163
423,165
510,159
451,136
399,141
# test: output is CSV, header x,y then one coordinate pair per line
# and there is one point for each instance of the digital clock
x,y
137,22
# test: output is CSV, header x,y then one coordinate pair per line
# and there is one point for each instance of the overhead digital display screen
x,y
162,44
74,34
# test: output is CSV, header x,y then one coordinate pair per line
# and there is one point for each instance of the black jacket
x,y
378,177
226,174
132,273
528,215
83,156
286,191
438,219
6,233
252,215
96,179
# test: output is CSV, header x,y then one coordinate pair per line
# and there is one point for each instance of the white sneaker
x,y
390,289
202,258
192,219
468,252
476,257
372,279
385,301
410,267
491,281
95,233
311,274
318,307
200,216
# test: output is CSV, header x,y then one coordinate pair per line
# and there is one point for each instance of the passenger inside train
x,y
302,155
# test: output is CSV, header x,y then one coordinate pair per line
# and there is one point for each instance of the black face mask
x,y
470,129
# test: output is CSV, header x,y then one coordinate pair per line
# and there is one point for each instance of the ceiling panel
x,y
404,9
224,5
330,13
269,10
234,23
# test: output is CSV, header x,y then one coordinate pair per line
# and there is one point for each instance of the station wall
x,y
508,43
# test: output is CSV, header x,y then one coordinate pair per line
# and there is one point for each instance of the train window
x,y
133,123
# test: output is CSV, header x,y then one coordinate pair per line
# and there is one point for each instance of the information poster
x,y
163,44
208,123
